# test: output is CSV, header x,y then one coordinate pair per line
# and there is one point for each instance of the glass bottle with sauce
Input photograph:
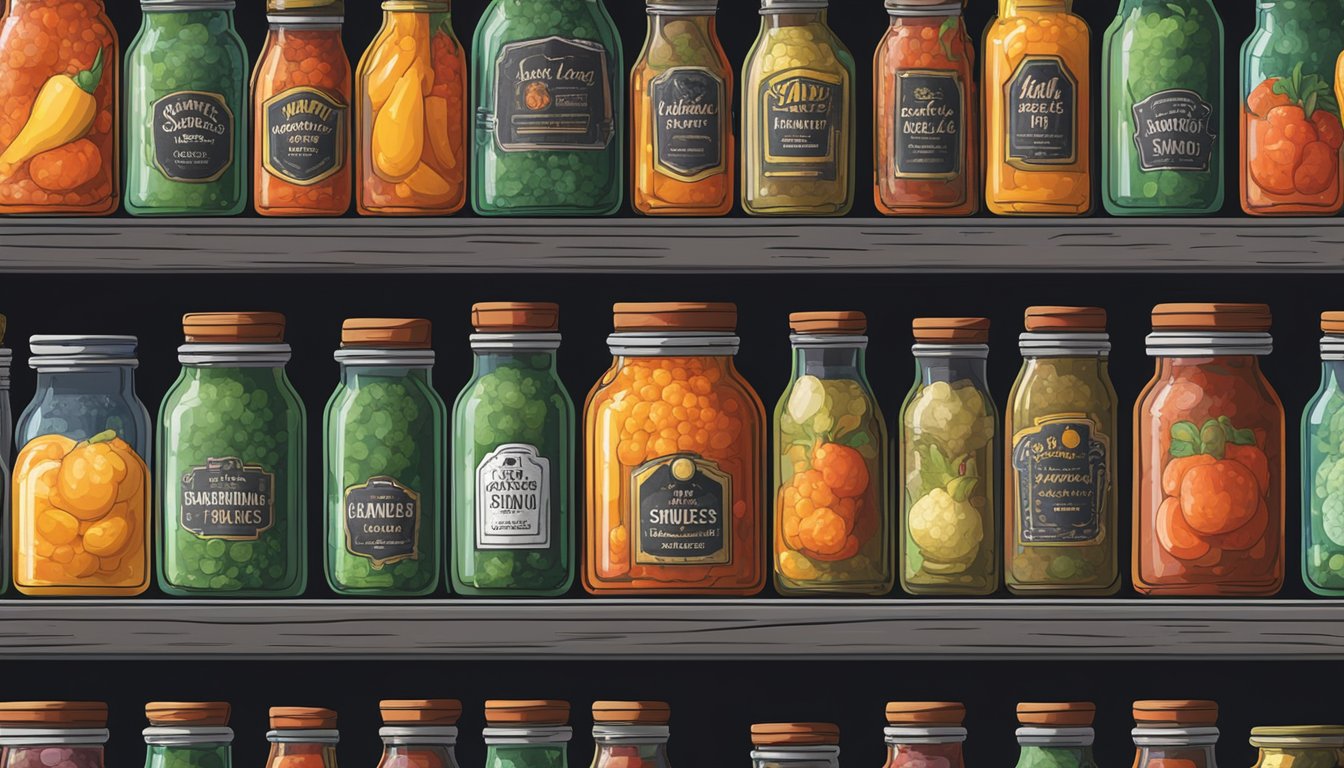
x,y
950,454
81,486
188,735
1175,734
6,457
419,733
412,114
832,520
631,734
681,90
60,129
927,132
1056,735
1323,468
925,734
1038,110
674,419
527,734
1208,456
1061,496
302,737
34,732
795,745
301,112
1299,746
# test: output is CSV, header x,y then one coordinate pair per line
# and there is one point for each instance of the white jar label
x,y
513,499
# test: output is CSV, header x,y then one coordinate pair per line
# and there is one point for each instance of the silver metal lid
x,y
793,6
1332,348
684,344
683,7
1208,343
1037,344
186,5
917,734
52,352
924,8
528,735
186,736
1036,736
303,736
1175,737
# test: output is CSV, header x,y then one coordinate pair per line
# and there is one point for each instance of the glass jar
x,y
6,456
301,112
60,130
413,114
550,109
1209,495
384,444
631,734
1038,110
33,732
927,112
950,454
1056,735
186,111
1162,109
1291,134
188,735
1175,734
81,498
1300,746
419,733
681,91
925,734
795,745
797,115
232,463
833,525
527,734
302,737
675,441
513,458
1323,469
1060,499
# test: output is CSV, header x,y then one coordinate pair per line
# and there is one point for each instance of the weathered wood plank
x,y
476,245
674,629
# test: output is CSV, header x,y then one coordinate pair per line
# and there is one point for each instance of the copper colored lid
x,y
68,714
952,330
925,713
1073,713
383,332
1331,322
302,718
1251,318
515,317
632,712
675,316
531,712
420,711
1066,319
234,327
795,734
1176,712
828,322
212,713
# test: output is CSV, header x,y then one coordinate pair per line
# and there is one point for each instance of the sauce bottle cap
x,y
1066,714
925,713
675,316
67,714
302,718
234,327
828,322
1331,322
420,711
952,330
1066,319
383,332
1176,712
515,317
527,711
1254,318
795,734
200,713
632,712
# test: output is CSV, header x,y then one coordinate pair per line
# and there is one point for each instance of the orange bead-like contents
x,y
1291,163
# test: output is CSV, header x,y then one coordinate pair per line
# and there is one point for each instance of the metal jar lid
x,y
683,7
793,6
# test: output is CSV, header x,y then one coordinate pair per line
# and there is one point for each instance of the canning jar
x,y
797,115
232,463
419,733
527,734
385,446
547,79
513,458
925,734
631,734
1056,735
81,498
795,745
1300,746
675,441
1060,496
1291,164
1038,108
60,130
950,454
1323,469
302,737
1208,456
1162,109
413,114
927,131
6,456
186,111
67,734
833,524
681,92
1175,734
188,735
301,112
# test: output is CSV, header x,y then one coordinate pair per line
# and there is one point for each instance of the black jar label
x,y
684,505
305,136
193,136
227,499
688,113
1062,478
1173,131
804,115
927,138
1042,99
513,499
382,521
552,93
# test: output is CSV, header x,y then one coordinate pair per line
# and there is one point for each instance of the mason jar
x,y
419,732
1323,469
302,737
1171,733
32,732
795,745
1056,734
1299,746
631,734
924,734
527,733
188,735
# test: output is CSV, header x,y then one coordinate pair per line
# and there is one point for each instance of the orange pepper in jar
x,y
675,465
301,112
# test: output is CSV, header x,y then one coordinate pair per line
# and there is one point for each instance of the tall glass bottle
x,y
527,733
797,115
1162,109
188,735
1323,468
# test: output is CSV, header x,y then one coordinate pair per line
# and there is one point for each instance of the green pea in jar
x,y
384,447
231,463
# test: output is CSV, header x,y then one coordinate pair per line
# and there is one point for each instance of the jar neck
x,y
925,15
489,361
706,23
550,740
1011,7
951,363
796,757
351,374
650,736
1248,365
161,739
108,378
294,29
773,20
404,740
830,362
156,16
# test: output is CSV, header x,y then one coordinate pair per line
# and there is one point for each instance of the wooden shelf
x,y
733,245
897,629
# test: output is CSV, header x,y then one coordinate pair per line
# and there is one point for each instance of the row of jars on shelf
x,y
676,459
547,137
627,734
